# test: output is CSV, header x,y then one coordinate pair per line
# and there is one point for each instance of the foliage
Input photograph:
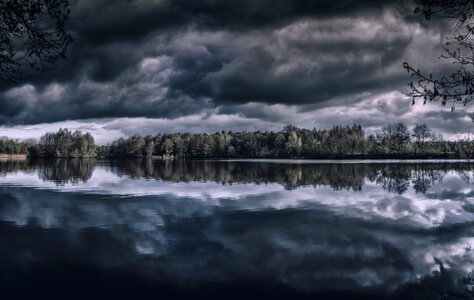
x,y
421,134
458,86
65,143
32,34
9,146
394,141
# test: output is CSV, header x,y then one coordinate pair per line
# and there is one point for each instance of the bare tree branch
x,y
458,87
32,33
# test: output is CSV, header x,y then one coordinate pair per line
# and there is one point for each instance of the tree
x,y
457,87
149,148
231,151
135,145
32,33
421,133
179,144
294,144
223,142
395,138
167,147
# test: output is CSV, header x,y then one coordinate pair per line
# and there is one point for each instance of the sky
x,y
162,66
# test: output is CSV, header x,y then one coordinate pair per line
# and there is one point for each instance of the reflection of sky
x,y
301,237
443,203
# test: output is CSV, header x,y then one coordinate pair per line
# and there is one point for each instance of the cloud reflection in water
x,y
311,236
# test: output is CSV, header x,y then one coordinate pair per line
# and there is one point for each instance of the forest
x,y
393,141
10,146
339,142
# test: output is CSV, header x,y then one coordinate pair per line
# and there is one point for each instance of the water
x,y
236,230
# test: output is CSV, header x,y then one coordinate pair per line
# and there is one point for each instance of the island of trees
x,y
340,142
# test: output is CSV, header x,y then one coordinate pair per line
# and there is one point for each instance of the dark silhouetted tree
x,y
457,87
395,138
32,34
421,133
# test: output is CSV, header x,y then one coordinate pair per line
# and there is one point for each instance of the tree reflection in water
x,y
392,177
13,166
63,171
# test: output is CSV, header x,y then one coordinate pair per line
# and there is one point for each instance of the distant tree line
x,y
393,141
14,147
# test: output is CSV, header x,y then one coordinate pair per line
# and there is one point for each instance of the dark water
x,y
235,230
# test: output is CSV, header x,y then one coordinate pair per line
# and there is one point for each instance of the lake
x,y
236,229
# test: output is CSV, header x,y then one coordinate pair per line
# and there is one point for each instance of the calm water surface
x,y
236,230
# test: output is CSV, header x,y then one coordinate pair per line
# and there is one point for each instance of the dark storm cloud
x,y
101,21
165,59
257,77
102,27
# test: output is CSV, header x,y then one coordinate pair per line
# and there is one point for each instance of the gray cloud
x,y
247,60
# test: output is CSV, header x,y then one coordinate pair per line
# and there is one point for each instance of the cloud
x,y
265,63
372,112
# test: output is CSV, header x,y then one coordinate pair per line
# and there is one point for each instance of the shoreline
x,y
347,161
7,157
298,161
4,157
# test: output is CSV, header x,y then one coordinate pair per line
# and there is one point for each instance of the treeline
x,y
394,141
63,143
15,147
